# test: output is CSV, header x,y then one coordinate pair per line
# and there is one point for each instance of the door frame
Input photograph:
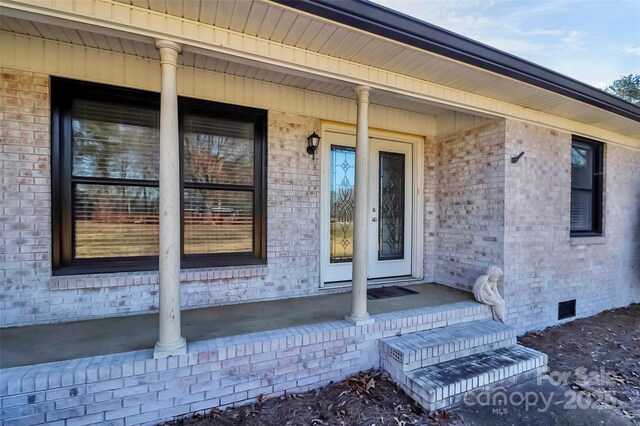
x,y
417,235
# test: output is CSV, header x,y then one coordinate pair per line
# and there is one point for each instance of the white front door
x,y
391,207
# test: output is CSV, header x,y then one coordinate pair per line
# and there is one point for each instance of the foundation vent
x,y
567,309
397,355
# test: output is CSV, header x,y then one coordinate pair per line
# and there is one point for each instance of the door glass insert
x,y
391,206
343,167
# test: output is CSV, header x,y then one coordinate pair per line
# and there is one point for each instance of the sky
x,y
594,41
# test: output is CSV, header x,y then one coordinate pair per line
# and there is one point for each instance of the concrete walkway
x,y
56,342
536,403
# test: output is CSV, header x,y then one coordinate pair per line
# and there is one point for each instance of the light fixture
x,y
514,159
312,144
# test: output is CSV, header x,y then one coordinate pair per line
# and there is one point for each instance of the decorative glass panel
x,y
218,150
115,221
218,221
343,167
391,207
115,141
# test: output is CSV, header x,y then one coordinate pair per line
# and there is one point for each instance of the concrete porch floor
x,y
57,342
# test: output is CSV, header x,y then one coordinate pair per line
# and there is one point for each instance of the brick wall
x,y
477,206
430,207
26,190
132,388
28,292
470,203
543,265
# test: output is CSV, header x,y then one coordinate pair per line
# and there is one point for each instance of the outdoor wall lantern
x,y
312,144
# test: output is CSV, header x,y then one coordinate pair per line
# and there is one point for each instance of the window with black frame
x,y
586,187
105,154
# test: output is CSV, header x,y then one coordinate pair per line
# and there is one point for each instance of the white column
x,y
359,315
171,341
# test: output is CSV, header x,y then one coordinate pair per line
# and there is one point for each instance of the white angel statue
x,y
485,291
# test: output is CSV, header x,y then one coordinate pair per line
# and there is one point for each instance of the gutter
x,y
379,20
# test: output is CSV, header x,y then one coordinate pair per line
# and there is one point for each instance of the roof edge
x,y
379,20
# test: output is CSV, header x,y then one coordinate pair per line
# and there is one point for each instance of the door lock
x,y
374,219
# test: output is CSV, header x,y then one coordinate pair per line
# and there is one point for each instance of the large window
x,y
105,163
586,187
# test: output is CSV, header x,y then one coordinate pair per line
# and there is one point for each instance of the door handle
x,y
374,219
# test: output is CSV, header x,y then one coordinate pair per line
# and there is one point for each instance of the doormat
x,y
388,292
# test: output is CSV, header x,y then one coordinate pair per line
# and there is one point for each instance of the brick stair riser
x,y
455,393
439,366
457,316
423,357
490,377
509,381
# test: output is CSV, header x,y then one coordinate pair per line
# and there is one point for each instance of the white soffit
x,y
278,23
146,49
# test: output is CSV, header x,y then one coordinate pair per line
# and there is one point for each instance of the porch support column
x,y
171,341
359,314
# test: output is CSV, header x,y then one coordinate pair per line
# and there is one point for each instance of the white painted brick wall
x,y
430,208
478,211
470,203
29,294
517,216
542,266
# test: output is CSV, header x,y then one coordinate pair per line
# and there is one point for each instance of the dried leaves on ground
x,y
368,398
599,355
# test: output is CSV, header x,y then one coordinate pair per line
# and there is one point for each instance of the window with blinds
x,y
586,187
114,179
106,180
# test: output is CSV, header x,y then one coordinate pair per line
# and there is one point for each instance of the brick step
x,y
429,347
447,383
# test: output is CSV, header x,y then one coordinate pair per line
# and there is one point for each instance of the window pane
x,y
218,150
581,167
391,209
218,221
115,141
581,210
111,221
343,167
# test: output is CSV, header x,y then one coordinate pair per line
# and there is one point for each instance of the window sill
x,y
124,279
587,241
149,264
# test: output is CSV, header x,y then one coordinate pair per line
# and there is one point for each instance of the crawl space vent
x,y
567,309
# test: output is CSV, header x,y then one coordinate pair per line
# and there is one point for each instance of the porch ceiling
x,y
145,49
282,24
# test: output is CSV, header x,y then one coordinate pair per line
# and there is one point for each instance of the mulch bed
x,y
368,398
605,346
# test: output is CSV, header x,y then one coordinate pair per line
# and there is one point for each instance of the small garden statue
x,y
485,291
